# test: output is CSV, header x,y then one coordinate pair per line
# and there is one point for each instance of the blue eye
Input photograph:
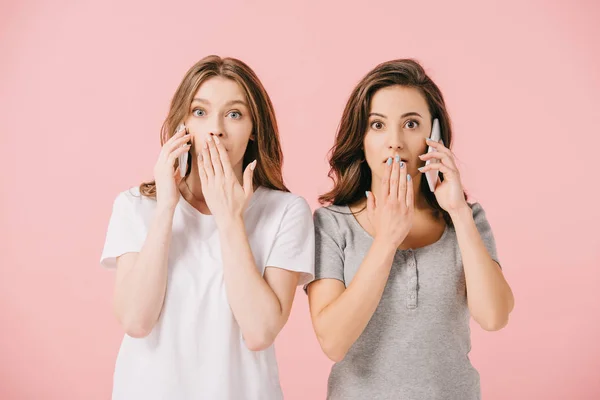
x,y
198,113
235,115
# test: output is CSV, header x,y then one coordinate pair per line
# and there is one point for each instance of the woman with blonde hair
x,y
209,254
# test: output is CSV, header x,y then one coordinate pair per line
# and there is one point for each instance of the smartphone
x,y
436,135
183,159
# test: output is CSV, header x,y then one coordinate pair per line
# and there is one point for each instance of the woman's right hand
x,y
167,178
391,211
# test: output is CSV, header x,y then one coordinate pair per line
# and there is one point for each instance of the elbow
x,y
332,349
494,318
137,332
493,323
259,342
135,327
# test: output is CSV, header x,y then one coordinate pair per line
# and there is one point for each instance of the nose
x,y
214,127
396,140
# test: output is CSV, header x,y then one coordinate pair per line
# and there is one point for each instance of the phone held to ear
x,y
183,159
436,135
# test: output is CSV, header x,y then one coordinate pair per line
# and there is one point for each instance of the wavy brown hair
x,y
350,174
265,148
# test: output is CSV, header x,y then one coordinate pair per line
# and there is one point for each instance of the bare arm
x,y
490,298
340,314
261,306
142,277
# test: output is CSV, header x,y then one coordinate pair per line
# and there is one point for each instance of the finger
x,y
176,174
172,145
402,184
370,203
436,166
202,171
178,134
439,146
248,181
446,158
394,178
224,157
206,161
410,194
177,152
385,180
214,155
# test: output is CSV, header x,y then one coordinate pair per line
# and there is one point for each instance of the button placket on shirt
x,y
413,281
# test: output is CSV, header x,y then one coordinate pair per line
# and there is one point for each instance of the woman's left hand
x,y
449,192
224,195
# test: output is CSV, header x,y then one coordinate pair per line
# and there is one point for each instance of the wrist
x,y
230,223
461,212
385,246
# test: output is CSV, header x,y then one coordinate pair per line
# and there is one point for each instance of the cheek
x,y
238,133
418,146
374,149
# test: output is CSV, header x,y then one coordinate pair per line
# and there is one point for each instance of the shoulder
x,y
133,201
333,218
277,202
477,210
479,216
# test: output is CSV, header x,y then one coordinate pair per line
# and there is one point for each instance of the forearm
x,y
340,323
489,296
255,306
141,286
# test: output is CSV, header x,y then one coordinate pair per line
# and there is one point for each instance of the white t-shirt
x,y
196,349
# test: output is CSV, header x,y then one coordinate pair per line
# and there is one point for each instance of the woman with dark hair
x,y
400,269
209,254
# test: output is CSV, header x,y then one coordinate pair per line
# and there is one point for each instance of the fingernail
x,y
217,140
389,161
408,178
402,164
200,157
367,194
421,169
253,165
209,138
397,158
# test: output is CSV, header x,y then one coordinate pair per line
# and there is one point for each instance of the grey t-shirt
x,y
416,345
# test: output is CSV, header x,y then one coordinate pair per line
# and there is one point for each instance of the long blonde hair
x,y
265,147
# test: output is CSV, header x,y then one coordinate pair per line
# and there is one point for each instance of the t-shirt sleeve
x,y
294,246
485,230
125,234
329,256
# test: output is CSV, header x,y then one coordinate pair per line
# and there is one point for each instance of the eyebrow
x,y
232,102
408,114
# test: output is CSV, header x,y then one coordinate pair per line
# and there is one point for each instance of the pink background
x,y
86,85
